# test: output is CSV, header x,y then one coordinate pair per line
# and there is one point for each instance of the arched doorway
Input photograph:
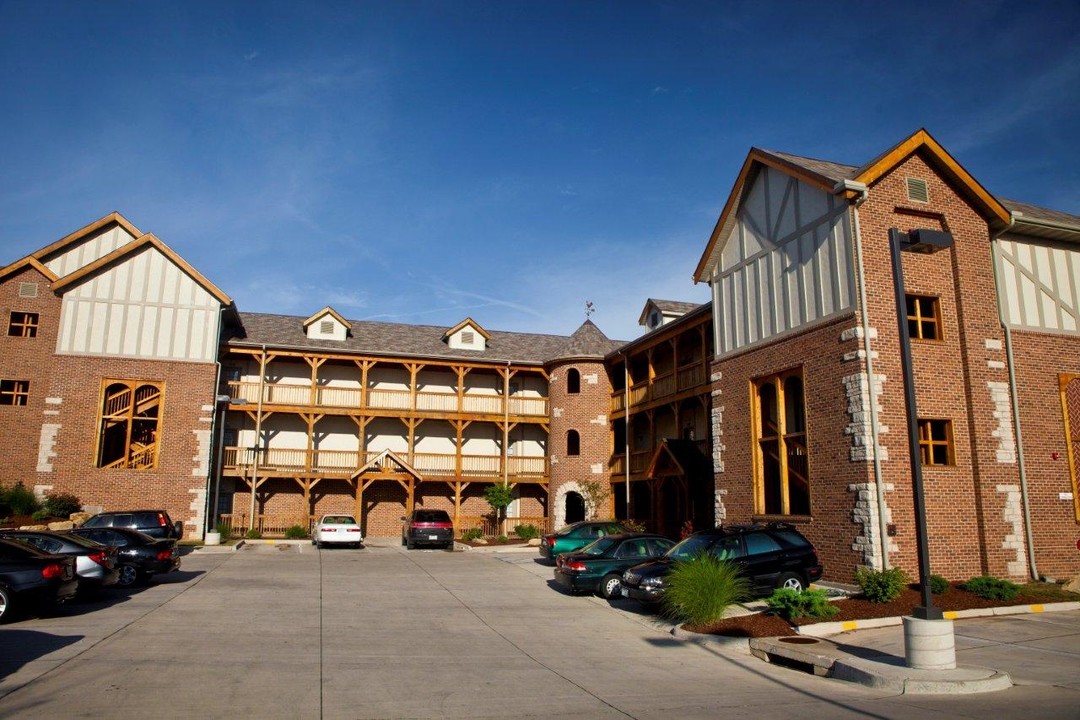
x,y
575,507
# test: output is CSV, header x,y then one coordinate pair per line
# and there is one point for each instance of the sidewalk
x,y
1033,644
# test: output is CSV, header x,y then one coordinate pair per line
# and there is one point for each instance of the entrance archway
x,y
575,507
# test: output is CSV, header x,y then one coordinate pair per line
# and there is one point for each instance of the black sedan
x,y
30,578
95,564
138,555
598,566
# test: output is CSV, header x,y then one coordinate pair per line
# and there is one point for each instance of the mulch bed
x,y
858,608
510,542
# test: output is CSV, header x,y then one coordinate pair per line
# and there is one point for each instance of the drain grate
x,y
799,640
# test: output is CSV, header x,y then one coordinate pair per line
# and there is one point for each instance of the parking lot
x,y
290,632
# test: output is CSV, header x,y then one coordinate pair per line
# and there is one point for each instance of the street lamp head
x,y
925,241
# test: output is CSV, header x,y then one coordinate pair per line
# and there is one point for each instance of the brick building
x,y
811,424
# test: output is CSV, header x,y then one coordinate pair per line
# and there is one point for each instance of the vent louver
x,y
326,327
28,290
918,190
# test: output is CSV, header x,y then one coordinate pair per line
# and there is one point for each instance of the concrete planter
x,y
212,538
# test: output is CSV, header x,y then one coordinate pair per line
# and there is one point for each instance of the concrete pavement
x,y
285,631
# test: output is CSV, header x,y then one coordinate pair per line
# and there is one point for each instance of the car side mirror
x,y
179,528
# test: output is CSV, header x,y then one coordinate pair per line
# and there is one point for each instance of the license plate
x,y
625,592
432,537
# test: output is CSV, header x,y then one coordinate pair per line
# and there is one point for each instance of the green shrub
x,y
992,588
789,604
40,515
253,534
22,501
938,585
472,534
295,532
224,529
502,539
61,505
527,532
633,525
699,590
881,586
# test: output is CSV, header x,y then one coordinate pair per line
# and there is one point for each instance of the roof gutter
x,y
845,188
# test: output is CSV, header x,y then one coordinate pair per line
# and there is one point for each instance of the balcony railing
x,y
669,383
384,399
345,462
275,525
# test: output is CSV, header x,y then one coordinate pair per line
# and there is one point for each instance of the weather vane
x,y
589,309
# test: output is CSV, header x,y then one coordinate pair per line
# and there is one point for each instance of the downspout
x,y
879,481
1014,399
215,451
626,434
506,423
258,436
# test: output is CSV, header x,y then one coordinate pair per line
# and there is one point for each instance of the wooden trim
x,y
28,262
324,312
1063,383
113,217
467,322
132,247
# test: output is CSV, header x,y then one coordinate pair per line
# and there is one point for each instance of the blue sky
x,y
422,162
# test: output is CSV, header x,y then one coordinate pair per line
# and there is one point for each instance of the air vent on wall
x,y
918,190
326,327
468,338
28,290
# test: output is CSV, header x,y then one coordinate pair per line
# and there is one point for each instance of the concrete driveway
x,y
291,632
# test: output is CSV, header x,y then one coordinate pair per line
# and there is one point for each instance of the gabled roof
x,y
110,219
380,462
467,322
28,262
324,312
668,307
126,251
828,175
678,457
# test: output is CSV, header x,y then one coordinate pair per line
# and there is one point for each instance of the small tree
x,y
596,495
498,497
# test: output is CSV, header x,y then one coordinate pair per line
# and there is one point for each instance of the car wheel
x,y
127,576
316,544
791,581
410,544
5,604
609,586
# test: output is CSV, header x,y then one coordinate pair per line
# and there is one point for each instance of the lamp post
x,y
928,637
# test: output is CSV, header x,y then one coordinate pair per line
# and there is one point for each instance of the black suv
x,y
155,523
770,556
427,527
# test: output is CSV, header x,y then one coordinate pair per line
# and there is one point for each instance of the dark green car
x,y
598,566
577,535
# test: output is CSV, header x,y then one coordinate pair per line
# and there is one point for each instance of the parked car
x,y
337,530
576,536
30,578
427,527
138,555
95,564
598,566
770,556
155,523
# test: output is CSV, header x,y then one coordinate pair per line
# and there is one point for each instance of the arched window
x,y
573,443
573,381
128,425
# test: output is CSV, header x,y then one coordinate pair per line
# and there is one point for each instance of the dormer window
x,y
327,325
467,335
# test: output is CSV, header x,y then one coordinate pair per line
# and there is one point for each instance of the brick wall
x,y
587,413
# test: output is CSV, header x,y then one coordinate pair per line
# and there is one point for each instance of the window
x,y
14,392
936,442
923,317
128,427
573,443
573,381
781,472
23,324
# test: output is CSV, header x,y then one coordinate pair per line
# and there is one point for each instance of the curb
x,y
825,629
730,643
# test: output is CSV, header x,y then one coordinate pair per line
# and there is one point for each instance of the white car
x,y
336,530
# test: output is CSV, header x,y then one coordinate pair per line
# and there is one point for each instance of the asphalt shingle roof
x,y
398,339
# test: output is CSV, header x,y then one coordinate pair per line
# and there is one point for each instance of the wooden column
x,y
315,364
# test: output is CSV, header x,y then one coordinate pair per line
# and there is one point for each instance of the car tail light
x,y
161,520
101,558
549,539
53,570
574,566
164,554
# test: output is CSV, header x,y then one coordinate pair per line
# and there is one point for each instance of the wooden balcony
x,y
280,394
687,378
343,463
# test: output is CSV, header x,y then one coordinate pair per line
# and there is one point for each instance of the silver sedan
x,y
337,530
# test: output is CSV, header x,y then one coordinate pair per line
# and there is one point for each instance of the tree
x,y
498,497
596,495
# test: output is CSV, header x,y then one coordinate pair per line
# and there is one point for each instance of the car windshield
x,y
338,520
598,547
689,547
